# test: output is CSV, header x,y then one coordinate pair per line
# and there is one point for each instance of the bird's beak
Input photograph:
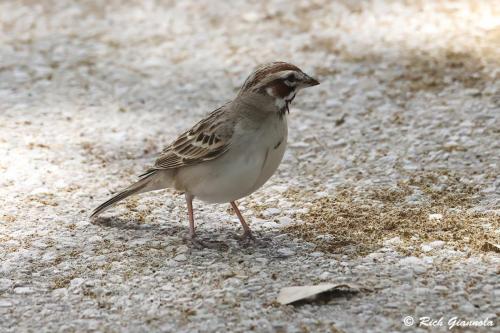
x,y
309,82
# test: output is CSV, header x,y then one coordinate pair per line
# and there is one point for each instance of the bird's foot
x,y
247,235
247,239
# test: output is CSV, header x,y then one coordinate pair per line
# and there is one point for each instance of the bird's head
x,y
278,80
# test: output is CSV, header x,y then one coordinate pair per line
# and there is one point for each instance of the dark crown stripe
x,y
266,70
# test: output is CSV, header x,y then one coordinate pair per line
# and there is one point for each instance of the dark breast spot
x,y
277,145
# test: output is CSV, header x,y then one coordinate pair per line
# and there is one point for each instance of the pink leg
x,y
247,232
192,233
189,201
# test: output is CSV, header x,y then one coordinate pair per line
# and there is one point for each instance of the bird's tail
x,y
147,183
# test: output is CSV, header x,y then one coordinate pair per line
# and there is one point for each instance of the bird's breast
x,y
275,146
253,157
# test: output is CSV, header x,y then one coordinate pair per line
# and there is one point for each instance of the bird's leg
x,y
197,243
247,234
189,202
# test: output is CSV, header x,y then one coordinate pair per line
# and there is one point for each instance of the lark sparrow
x,y
231,152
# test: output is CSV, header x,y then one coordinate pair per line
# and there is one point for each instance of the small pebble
x,y
271,212
285,252
23,290
5,284
180,257
434,217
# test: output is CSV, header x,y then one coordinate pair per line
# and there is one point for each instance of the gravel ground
x,y
390,180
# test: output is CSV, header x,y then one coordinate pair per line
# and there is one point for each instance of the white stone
x,y
180,257
393,241
60,292
23,290
271,212
5,284
425,248
182,249
270,225
279,188
432,246
417,264
251,16
325,237
303,210
419,269
441,289
76,282
438,244
433,217
5,303
95,239
285,252
285,221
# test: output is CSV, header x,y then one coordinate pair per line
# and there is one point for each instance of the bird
x,y
231,152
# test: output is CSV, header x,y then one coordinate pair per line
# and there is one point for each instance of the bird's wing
x,y
207,140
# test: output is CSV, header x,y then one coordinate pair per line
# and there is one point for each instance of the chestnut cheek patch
x,y
280,89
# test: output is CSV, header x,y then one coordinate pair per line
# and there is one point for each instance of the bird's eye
x,y
290,78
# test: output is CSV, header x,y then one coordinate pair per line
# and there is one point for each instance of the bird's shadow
x,y
132,224
228,237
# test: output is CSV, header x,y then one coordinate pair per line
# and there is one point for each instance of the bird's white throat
x,y
282,102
